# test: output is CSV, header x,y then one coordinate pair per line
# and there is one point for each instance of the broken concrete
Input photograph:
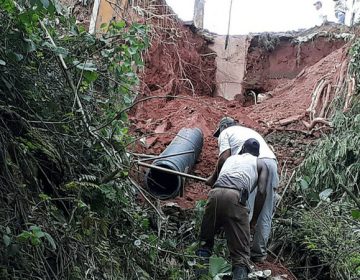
x,y
231,64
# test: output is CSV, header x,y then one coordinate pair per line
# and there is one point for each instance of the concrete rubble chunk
x,y
260,274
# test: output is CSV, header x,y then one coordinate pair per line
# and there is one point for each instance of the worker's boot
x,y
240,273
203,262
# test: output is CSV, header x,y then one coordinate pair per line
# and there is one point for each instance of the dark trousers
x,y
223,209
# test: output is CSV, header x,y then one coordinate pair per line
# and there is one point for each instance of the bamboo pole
x,y
166,170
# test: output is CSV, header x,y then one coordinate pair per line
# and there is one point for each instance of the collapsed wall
x,y
273,59
179,61
230,64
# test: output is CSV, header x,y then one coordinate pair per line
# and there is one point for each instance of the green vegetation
x,y
324,210
68,210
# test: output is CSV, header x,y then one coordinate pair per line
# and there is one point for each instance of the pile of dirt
x,y
278,118
272,60
179,61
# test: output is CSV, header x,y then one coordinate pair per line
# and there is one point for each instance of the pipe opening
x,y
163,185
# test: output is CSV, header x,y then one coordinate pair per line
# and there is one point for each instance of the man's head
x,y
225,122
318,5
251,146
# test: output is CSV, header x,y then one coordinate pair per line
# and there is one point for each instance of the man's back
x,y
234,137
238,172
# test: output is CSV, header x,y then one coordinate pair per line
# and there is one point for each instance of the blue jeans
x,y
340,17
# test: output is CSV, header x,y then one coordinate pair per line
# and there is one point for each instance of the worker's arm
x,y
261,192
222,158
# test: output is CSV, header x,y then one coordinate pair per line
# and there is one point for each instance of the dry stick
x,y
283,193
170,171
341,83
350,93
342,76
254,95
315,121
353,196
290,119
146,198
143,155
318,97
313,96
326,102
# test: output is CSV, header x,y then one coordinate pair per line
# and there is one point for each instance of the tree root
x,y
326,102
316,121
349,95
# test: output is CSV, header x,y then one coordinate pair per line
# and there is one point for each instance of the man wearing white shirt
x,y
322,17
231,137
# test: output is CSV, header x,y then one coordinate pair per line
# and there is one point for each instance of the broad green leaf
x,y
355,214
119,24
103,25
30,45
57,50
50,240
7,5
218,265
37,231
324,195
107,52
89,39
44,197
7,240
2,62
303,184
34,228
87,66
25,235
18,56
90,76
45,3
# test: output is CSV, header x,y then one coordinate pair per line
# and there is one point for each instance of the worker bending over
x,y
227,206
231,137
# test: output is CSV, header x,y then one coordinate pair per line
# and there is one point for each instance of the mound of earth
x,y
279,118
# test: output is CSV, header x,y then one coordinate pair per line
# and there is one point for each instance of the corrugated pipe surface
x,y
164,185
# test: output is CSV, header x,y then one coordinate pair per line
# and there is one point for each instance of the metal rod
x,y
143,155
170,171
167,156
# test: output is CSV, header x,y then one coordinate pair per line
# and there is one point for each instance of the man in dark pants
x,y
226,206
231,137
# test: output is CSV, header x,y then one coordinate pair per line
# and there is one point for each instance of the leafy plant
x,y
35,235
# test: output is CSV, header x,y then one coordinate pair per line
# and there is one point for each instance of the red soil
x,y
159,119
179,78
268,69
166,116
277,269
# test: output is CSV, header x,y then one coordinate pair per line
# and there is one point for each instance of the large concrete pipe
x,y
164,185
